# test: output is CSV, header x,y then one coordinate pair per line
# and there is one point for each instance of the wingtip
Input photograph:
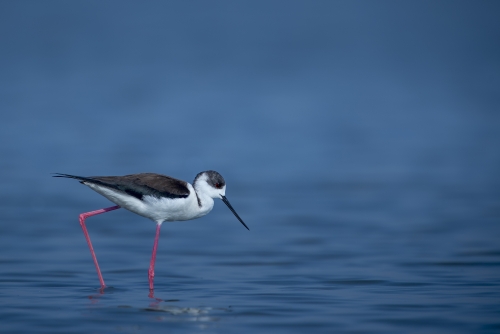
x,y
60,175
69,176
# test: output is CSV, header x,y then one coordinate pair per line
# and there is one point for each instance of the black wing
x,y
139,185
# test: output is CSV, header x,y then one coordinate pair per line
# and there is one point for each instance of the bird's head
x,y
211,183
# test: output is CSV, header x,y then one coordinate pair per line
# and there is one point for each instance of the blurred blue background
x,y
359,141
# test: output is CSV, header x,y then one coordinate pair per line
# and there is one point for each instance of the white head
x,y
212,184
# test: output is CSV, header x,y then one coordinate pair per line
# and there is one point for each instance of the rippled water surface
x,y
359,142
340,261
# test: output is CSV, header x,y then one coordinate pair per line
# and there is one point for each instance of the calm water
x,y
359,141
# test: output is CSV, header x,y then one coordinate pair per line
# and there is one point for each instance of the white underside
x,y
159,209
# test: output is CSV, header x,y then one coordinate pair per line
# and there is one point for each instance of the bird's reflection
x,y
155,303
94,298
167,311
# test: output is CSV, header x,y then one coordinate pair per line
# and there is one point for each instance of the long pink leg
x,y
84,216
151,271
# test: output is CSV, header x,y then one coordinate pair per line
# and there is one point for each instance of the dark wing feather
x,y
139,185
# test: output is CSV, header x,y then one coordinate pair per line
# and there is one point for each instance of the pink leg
x,y
151,271
84,216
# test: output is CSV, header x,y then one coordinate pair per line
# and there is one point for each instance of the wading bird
x,y
157,197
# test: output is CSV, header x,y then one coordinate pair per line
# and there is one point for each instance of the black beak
x,y
224,199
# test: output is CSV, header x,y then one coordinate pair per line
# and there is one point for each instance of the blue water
x,y
359,142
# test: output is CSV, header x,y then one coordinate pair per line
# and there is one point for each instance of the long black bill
x,y
224,199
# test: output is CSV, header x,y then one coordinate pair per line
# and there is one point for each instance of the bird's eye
x,y
217,185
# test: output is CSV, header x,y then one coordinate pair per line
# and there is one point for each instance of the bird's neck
x,y
205,202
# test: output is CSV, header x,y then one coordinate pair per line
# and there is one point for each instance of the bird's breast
x,y
174,209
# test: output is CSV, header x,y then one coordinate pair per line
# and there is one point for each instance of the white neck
x,y
206,203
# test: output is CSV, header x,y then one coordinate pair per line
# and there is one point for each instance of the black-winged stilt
x,y
157,197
